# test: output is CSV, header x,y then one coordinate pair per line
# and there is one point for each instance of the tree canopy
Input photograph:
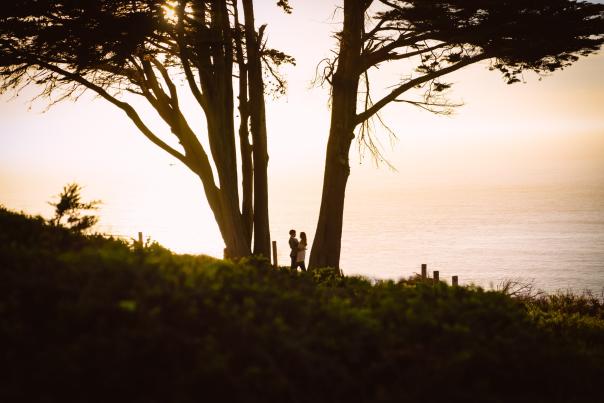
x,y
443,36
120,49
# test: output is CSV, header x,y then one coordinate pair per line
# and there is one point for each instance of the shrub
x,y
86,319
70,206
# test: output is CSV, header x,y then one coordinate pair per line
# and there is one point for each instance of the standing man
x,y
293,244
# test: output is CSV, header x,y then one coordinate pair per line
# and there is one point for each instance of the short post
x,y
455,281
140,239
275,253
424,271
435,275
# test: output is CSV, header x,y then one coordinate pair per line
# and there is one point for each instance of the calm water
x,y
551,236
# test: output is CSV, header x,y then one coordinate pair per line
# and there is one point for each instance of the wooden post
x,y
435,273
225,254
455,281
424,271
275,254
140,239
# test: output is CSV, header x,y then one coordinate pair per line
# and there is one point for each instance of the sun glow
x,y
169,10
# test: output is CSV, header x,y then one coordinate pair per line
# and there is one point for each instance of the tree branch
x,y
184,57
374,58
126,107
169,83
151,80
414,82
198,162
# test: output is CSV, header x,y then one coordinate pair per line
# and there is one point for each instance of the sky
x,y
537,132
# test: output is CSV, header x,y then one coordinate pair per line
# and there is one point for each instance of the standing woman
x,y
301,252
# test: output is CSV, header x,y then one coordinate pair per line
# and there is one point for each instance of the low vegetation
x,y
91,319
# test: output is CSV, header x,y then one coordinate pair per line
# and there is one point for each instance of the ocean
x,y
549,236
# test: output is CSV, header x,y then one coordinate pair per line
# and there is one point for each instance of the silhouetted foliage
x,y
70,206
284,4
442,36
98,321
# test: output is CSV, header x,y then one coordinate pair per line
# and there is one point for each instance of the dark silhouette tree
x,y
126,49
440,37
69,209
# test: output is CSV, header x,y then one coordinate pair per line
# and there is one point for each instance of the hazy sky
x,y
530,133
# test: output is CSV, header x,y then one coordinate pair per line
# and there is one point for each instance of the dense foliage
x,y
86,319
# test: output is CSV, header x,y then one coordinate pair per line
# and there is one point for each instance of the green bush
x,y
85,319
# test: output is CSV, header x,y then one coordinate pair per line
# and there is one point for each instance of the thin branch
x,y
365,136
432,106
151,80
184,57
401,41
126,107
375,29
168,81
391,4
373,59
394,94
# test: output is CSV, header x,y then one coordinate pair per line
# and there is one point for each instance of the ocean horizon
x,y
551,236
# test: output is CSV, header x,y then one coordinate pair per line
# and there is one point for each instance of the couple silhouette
x,y
298,250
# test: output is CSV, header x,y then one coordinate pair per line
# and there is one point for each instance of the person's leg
x,y
293,265
302,265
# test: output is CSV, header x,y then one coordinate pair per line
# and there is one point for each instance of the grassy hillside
x,y
86,319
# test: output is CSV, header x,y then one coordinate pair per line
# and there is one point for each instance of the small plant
x,y
519,289
69,209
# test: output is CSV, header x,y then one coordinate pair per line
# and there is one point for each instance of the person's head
x,y
292,232
303,236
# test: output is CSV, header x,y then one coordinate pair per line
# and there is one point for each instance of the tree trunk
x,y
245,148
218,87
327,242
247,174
232,230
262,239
228,219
